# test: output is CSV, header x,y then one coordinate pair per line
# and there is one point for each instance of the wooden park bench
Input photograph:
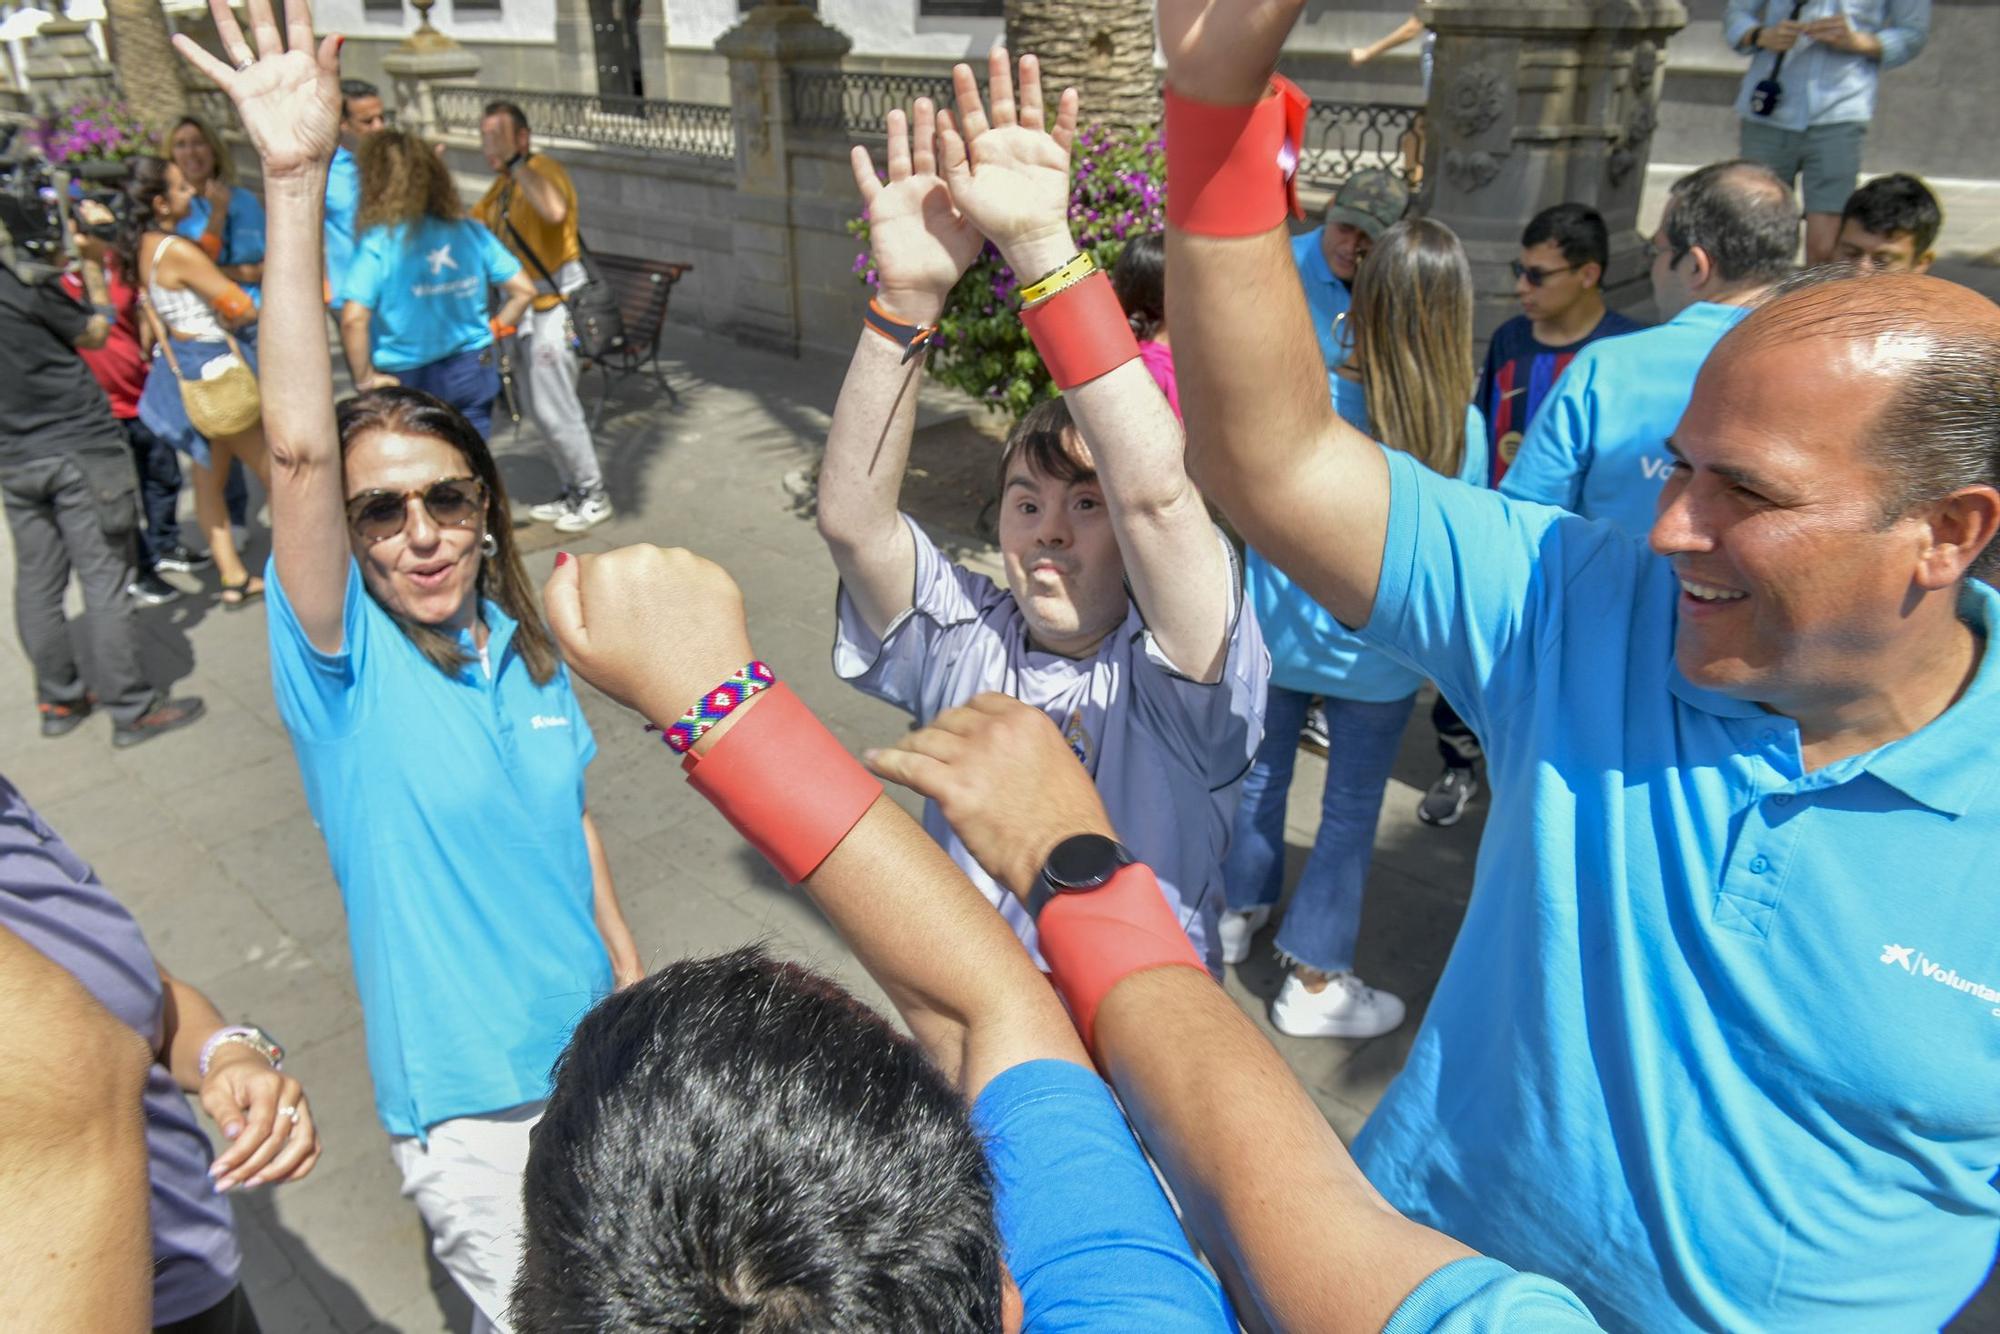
x,y
644,287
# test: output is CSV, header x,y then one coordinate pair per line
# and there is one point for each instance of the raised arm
x,y
1304,488
186,265
920,246
289,102
1009,173
657,630
1266,1184
1408,30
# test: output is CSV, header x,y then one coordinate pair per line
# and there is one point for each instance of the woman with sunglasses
x,y
442,746
1407,381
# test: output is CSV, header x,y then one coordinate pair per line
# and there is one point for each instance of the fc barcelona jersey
x,y
1519,373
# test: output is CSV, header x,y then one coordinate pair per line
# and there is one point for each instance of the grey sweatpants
x,y
58,527
550,390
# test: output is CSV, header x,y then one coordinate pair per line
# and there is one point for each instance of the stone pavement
x,y
205,833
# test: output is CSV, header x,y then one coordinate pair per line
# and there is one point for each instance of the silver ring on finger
x,y
245,63
291,1113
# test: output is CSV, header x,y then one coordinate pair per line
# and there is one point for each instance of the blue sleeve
x,y
1088,1235
1739,19
498,260
1473,585
244,243
196,222
1555,453
366,271
1478,1295
317,692
1905,29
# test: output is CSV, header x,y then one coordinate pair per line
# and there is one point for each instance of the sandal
x,y
235,597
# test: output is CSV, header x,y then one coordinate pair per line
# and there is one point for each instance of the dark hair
x,y
737,1143
1045,439
403,181
508,109
354,89
145,181
1578,231
1894,205
1939,431
501,576
1741,214
1140,280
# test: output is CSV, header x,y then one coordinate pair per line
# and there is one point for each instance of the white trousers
x,y
467,1185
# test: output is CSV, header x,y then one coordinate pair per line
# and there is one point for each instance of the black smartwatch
x,y
1077,865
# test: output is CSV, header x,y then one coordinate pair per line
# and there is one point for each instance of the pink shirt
x,y
1159,359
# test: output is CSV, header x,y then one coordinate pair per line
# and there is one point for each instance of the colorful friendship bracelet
x,y
754,678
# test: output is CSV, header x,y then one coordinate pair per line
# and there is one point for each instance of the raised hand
x,y
1009,173
1223,51
288,99
654,629
920,242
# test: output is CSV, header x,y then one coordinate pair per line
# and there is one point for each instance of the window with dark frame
x,y
480,6
379,8
961,9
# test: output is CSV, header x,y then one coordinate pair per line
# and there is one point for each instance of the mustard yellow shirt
x,y
554,244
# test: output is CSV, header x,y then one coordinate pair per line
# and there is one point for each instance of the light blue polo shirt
x,y
1719,1043
1598,445
452,809
1479,1295
242,232
343,201
1311,651
425,285
1326,296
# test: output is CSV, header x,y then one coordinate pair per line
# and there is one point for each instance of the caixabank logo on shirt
x,y
1918,964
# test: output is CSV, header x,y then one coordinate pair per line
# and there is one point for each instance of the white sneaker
x,y
589,510
1346,1008
1237,928
551,510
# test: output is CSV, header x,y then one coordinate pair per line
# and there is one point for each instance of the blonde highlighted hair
x,y
225,166
403,181
1411,326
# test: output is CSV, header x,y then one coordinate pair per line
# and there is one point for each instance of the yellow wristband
x,y
1050,283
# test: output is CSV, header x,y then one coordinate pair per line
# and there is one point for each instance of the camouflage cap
x,y
1372,200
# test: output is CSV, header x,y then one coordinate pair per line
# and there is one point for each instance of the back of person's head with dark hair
x,y
353,89
738,1144
1578,230
1140,280
512,111
1741,214
1045,439
1897,204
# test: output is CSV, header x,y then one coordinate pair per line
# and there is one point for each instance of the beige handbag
x,y
223,403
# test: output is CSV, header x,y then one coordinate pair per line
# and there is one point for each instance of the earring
x,y
489,545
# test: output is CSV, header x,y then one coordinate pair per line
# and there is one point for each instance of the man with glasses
x,y
1598,446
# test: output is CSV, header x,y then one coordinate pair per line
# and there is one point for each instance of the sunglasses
x,y
452,502
1537,275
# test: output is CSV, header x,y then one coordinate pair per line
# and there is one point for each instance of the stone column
x,y
64,65
1540,102
422,61
762,50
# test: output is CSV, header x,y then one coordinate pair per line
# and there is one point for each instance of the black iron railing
x,y
1344,137
688,129
855,102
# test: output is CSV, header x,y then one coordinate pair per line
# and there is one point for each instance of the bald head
x,y
1935,347
1741,215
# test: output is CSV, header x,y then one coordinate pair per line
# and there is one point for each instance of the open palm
x,y
920,243
289,100
1009,172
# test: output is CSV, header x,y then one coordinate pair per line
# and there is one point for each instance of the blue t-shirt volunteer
x,y
1311,651
425,284
1326,296
1719,1034
1598,447
343,201
452,808
242,233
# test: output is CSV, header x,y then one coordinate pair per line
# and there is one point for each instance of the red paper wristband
x,y
1233,170
1094,941
790,788
1081,332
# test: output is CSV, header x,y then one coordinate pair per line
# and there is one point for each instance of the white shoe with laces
x,y
551,510
1346,1007
1236,928
590,509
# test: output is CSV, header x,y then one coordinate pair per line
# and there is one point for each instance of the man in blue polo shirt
x,y
1366,204
361,115
1597,446
1716,1038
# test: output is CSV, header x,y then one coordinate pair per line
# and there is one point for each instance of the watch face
x,y
1085,861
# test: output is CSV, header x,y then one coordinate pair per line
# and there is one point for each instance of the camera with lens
x,y
1764,98
36,198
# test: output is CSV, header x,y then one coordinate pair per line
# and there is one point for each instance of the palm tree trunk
x,y
1102,47
148,67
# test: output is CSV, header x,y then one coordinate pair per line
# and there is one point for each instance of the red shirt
x,y
120,366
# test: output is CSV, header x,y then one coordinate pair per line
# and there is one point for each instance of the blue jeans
x,y
1325,914
465,380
